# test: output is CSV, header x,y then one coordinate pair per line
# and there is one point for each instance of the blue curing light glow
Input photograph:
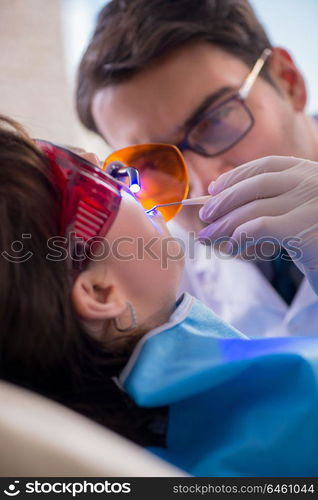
x,y
134,188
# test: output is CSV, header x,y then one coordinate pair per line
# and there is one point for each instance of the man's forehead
x,y
157,103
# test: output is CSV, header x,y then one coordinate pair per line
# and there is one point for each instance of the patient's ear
x,y
95,298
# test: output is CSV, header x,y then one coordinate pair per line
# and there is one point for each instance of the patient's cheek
x,y
142,250
132,221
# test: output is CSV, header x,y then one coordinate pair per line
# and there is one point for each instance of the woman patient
x,y
89,318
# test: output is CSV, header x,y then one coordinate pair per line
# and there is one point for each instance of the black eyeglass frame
x,y
240,97
185,144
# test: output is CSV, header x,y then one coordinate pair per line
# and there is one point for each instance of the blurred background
x,y
42,42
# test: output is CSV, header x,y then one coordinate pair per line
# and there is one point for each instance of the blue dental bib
x,y
238,407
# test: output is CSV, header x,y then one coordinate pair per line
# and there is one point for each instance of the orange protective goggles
x,y
163,175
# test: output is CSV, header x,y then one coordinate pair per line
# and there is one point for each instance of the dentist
x,y
205,77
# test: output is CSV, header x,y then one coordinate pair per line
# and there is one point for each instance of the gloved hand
x,y
273,197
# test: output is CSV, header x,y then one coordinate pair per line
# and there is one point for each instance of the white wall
x,y
78,22
33,78
293,24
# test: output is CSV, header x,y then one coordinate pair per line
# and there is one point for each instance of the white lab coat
x,y
239,293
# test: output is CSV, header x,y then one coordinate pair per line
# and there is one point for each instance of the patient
x,y
101,332
63,337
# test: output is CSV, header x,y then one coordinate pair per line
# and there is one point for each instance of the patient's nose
x,y
91,157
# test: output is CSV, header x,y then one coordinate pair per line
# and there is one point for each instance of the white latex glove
x,y
274,197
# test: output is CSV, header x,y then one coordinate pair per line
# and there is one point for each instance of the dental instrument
x,y
200,200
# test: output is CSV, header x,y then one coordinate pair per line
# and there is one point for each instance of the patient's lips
x,y
156,219
153,213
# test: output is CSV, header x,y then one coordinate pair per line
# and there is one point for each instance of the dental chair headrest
x,y
42,438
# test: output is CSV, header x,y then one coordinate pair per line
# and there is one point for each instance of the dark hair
x,y
43,344
131,34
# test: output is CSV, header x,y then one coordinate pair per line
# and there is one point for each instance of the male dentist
x,y
204,76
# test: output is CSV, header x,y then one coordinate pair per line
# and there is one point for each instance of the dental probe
x,y
200,200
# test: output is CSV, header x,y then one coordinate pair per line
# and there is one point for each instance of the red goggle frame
x,y
90,197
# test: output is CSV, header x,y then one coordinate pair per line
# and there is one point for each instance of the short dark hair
x,y
132,33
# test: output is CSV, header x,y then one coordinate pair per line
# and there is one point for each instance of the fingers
x,y
226,225
262,186
256,233
264,230
251,169
268,227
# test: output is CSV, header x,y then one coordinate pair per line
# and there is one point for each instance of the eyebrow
x,y
210,99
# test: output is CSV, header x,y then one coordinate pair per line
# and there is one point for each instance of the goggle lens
x,y
162,173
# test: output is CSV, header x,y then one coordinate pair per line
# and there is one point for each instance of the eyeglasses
x,y
163,176
224,125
